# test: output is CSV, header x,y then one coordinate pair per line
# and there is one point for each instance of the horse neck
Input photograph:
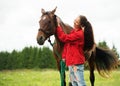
x,y
67,29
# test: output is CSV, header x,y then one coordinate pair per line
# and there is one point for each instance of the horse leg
x,y
59,68
92,68
92,77
70,84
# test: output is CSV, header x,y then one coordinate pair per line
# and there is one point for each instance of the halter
x,y
42,30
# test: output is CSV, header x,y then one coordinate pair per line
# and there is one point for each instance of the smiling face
x,y
47,26
77,22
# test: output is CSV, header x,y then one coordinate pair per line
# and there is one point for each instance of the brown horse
x,y
103,60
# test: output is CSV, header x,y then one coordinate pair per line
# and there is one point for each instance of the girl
x,y
74,47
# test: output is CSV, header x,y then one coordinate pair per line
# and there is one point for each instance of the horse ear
x,y
42,11
53,11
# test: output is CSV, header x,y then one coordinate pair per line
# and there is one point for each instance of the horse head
x,y
48,25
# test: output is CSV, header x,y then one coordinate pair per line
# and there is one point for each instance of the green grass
x,y
47,77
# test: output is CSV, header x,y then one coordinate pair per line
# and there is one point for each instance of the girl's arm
x,y
78,35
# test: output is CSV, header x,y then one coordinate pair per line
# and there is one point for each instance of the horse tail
x,y
105,61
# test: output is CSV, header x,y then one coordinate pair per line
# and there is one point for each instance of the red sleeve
x,y
69,37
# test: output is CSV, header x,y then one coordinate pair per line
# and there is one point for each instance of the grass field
x,y
47,77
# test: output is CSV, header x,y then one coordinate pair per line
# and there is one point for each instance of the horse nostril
x,y
41,38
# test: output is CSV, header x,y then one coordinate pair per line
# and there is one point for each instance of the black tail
x,y
105,61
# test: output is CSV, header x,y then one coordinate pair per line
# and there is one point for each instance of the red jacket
x,y
73,49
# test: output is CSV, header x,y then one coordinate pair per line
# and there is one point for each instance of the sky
x,y
19,20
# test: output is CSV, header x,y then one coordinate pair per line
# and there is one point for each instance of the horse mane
x,y
66,27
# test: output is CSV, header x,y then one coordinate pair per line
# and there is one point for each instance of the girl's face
x,y
77,22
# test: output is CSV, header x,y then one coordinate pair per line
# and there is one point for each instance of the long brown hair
x,y
88,33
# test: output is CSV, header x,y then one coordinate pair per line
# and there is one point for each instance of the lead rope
x,y
62,64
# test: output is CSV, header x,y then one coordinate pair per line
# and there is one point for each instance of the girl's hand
x,y
63,60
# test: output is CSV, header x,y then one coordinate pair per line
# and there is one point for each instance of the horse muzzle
x,y
41,40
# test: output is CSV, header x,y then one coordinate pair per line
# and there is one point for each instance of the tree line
x,y
33,57
29,57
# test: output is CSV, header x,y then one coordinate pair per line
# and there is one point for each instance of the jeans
x,y
77,75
